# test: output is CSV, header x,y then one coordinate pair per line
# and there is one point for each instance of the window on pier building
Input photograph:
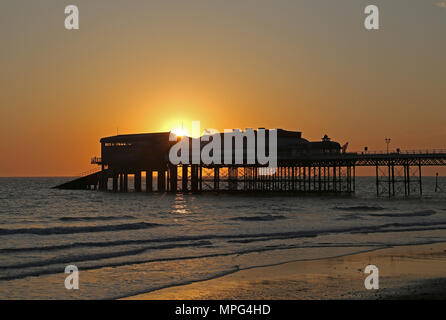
x,y
118,144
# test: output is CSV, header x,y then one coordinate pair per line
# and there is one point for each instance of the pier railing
x,y
96,160
395,152
88,172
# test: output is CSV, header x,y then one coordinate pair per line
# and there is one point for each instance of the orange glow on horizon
x,y
169,65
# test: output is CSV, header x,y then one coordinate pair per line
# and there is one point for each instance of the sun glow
x,y
180,132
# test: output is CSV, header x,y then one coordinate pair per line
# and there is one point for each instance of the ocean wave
x,y
53,269
399,227
102,244
79,229
268,217
26,269
423,213
351,216
98,256
359,208
96,218
240,238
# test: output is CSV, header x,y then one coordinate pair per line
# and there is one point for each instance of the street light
x,y
387,142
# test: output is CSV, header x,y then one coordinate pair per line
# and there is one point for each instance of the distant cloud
x,y
441,4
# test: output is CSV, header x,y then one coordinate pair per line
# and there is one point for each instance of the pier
x,y
319,167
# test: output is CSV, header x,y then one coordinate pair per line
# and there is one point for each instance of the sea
x,y
125,244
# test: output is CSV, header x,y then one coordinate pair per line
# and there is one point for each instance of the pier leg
x,y
194,178
184,178
309,178
261,179
115,182
256,177
126,182
328,179
216,178
349,189
354,178
340,178
389,180
103,181
161,181
149,181
138,181
334,179
393,179
232,178
201,178
293,177
173,179
121,182
436,182
419,178
405,180
408,180
377,182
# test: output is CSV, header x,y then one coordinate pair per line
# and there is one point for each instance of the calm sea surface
x,y
124,244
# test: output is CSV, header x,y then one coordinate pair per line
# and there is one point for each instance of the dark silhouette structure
x,y
302,167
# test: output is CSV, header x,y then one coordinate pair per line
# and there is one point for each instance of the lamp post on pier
x,y
387,142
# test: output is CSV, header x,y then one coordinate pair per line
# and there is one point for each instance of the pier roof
x,y
135,137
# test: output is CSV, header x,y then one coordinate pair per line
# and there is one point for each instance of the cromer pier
x,y
319,167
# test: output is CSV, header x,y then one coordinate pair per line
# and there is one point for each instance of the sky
x,y
145,66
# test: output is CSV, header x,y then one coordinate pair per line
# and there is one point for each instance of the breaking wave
x,y
79,229
359,208
423,213
97,218
268,217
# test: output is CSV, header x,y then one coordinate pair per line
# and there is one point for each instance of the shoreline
x,y
405,272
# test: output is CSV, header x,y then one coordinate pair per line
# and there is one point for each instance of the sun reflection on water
x,y
180,205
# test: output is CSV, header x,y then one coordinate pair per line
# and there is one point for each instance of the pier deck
x,y
328,173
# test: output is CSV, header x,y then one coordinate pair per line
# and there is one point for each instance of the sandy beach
x,y
406,272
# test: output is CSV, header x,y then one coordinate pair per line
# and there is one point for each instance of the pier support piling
x,y
149,180
115,182
126,182
184,178
161,181
137,181
173,178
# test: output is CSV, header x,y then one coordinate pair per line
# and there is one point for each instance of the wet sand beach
x,y
405,272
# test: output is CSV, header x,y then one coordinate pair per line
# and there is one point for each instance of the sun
x,y
180,132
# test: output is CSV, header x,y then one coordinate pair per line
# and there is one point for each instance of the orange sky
x,y
154,65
